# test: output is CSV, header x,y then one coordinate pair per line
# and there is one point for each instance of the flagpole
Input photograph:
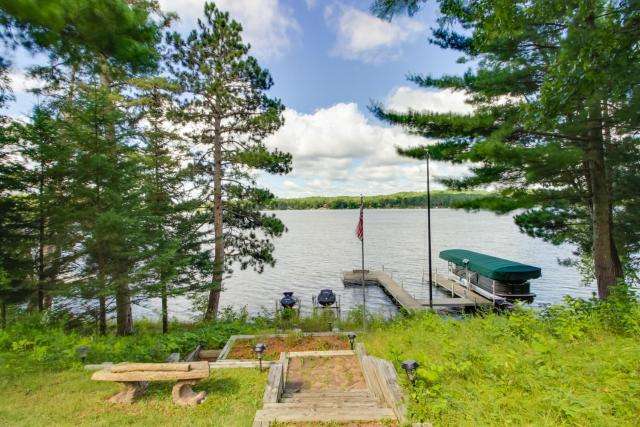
x,y
429,235
364,298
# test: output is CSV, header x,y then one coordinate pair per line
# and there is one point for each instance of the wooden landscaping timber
x,y
152,367
284,361
184,395
329,353
209,354
275,384
229,363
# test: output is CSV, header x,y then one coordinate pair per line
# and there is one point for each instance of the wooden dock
x,y
460,296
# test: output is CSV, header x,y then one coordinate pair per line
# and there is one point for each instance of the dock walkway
x,y
461,296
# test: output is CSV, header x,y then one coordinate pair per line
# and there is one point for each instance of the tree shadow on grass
x,y
213,386
220,386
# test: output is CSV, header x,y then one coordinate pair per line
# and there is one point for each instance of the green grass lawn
x,y
70,398
574,365
500,371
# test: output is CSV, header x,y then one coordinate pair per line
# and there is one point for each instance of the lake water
x,y
320,244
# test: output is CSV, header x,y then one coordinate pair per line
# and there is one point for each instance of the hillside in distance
x,y
439,199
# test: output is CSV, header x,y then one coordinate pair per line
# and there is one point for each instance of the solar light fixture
x,y
410,367
352,339
82,353
259,349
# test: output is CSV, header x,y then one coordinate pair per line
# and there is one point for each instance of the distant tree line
x,y
439,199
132,178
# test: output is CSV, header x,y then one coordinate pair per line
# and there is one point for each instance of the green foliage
x,y
38,343
439,199
573,364
117,29
224,99
102,200
553,128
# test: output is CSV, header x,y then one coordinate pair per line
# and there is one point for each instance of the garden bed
x,y
241,347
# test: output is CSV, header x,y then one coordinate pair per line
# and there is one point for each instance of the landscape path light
x,y
82,353
352,339
259,351
410,367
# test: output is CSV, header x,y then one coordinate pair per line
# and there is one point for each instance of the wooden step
x,y
263,416
325,403
327,394
327,400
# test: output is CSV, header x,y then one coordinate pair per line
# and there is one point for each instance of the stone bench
x,y
136,376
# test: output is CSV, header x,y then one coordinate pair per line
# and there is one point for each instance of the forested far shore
x,y
416,199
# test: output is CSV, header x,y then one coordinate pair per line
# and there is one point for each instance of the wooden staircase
x,y
381,400
324,406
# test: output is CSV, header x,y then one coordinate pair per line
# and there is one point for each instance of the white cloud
x,y
268,25
359,35
404,98
311,3
20,82
338,150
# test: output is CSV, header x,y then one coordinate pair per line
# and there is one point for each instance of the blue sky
x,y
329,59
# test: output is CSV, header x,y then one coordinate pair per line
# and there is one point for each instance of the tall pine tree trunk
x,y
41,233
218,260
124,324
606,261
165,305
102,315
102,302
3,314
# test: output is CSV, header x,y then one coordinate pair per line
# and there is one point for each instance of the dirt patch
x,y
243,349
337,373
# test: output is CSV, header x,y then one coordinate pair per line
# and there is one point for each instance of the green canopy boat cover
x,y
492,267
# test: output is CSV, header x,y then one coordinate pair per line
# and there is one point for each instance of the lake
x,y
320,244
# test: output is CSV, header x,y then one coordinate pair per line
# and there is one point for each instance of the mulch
x,y
243,349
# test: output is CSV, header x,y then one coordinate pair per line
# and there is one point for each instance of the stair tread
x,y
325,404
324,414
362,392
328,399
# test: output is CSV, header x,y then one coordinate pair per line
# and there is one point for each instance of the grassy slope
x,y
491,372
574,365
69,398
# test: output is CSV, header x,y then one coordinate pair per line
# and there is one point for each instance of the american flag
x,y
360,227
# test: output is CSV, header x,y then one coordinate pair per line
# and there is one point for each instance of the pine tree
x,y
556,99
172,220
48,189
16,262
107,206
126,31
226,106
15,244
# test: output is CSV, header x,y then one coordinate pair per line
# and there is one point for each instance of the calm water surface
x,y
321,244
